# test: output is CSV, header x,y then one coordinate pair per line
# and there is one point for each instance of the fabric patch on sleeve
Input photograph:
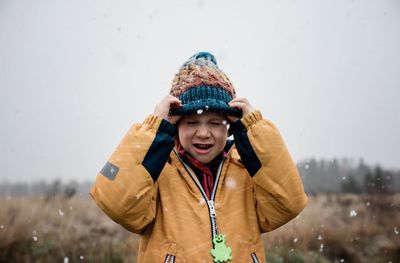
x,y
109,170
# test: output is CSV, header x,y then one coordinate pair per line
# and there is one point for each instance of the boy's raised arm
x,y
126,187
278,188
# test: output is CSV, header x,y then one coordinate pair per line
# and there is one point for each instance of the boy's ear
x,y
232,119
176,136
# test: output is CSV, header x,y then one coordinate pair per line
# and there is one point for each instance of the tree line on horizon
x,y
343,176
319,176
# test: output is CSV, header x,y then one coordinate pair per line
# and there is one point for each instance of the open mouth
x,y
201,146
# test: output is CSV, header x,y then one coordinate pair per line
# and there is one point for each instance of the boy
x,y
192,194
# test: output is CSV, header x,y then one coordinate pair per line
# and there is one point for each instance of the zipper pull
x,y
212,208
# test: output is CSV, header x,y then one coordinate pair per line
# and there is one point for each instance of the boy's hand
x,y
162,108
240,103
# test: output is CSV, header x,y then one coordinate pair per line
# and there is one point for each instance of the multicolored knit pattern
x,y
201,85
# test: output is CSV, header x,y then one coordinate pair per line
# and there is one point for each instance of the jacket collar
x,y
191,184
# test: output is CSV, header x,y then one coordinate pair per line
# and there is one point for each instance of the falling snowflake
x,y
207,107
344,178
353,213
368,204
224,122
35,238
230,183
319,237
396,231
307,166
200,111
202,201
82,257
295,240
342,260
60,212
321,248
2,226
66,260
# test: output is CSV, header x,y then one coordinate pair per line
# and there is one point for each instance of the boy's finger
x,y
174,100
241,100
175,104
239,105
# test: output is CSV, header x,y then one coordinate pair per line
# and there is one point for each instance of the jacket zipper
x,y
254,257
210,202
169,259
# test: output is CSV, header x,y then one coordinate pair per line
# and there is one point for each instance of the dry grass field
x,y
333,228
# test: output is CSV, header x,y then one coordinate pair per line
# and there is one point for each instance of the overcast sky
x,y
75,75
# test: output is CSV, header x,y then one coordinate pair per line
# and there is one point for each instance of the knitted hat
x,y
201,86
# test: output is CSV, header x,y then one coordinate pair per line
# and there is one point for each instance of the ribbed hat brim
x,y
204,105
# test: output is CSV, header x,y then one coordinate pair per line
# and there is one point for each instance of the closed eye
x,y
191,122
216,123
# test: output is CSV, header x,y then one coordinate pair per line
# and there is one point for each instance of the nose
x,y
203,131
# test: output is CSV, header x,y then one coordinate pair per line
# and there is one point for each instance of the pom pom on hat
x,y
201,85
204,55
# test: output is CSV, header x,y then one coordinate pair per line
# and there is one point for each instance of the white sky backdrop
x,y
75,75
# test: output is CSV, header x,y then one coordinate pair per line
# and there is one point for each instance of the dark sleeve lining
x,y
246,151
159,150
167,127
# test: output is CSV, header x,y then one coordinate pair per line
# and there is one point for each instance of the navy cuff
x,y
167,127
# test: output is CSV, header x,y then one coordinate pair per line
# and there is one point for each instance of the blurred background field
x,y
333,228
327,73
357,222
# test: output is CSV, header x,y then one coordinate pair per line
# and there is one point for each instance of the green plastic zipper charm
x,y
220,252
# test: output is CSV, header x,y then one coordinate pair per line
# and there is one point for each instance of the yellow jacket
x,y
147,189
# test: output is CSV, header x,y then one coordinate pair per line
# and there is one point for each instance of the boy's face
x,y
203,135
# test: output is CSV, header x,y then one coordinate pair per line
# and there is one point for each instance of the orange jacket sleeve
x,y
126,187
278,189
